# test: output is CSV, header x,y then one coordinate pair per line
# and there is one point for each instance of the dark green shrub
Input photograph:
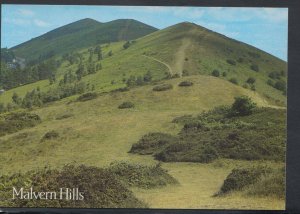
x,y
231,62
152,143
280,85
50,135
100,188
242,106
241,178
270,82
254,67
215,73
185,73
240,60
124,89
251,80
14,122
183,119
64,116
163,87
126,105
185,84
233,80
87,96
246,86
224,74
272,184
137,175
275,75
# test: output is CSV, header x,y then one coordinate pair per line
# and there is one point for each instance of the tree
x,y
242,106
52,79
16,99
98,51
80,71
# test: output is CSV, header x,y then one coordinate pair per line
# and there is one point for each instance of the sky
x,y
264,28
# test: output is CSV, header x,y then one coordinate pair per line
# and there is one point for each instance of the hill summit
x,y
80,34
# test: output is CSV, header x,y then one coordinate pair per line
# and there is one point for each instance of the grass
x,y
198,183
99,133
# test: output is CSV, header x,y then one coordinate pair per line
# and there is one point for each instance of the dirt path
x,y
180,56
165,64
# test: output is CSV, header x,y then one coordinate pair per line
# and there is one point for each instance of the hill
x,y
78,35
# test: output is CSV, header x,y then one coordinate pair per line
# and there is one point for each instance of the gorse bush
x,y
87,96
185,83
100,188
231,61
163,87
152,143
254,67
221,133
234,81
215,73
241,178
126,104
50,136
251,80
14,122
242,106
141,176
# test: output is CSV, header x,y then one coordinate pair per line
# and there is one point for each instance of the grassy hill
x,y
101,126
80,34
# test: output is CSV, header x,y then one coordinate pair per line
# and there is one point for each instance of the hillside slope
x,y
80,34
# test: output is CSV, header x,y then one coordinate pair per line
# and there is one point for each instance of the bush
x,y
254,67
275,75
270,83
185,84
251,80
280,85
14,122
241,60
241,178
50,136
215,73
100,188
163,87
224,74
126,105
234,81
137,175
64,116
124,89
231,62
87,96
152,143
242,106
272,184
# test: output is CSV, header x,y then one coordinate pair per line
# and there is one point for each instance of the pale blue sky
x,y
264,28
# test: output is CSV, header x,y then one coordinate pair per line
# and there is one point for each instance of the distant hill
x,y
183,49
80,34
